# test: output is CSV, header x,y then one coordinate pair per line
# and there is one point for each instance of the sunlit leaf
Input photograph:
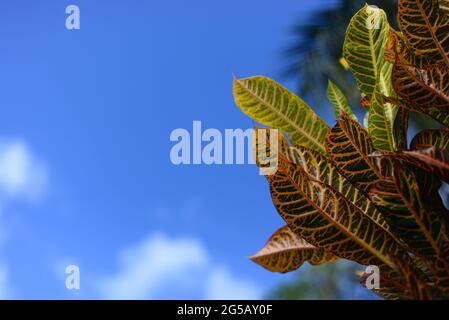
x,y
339,101
363,49
269,103
380,123
326,219
285,251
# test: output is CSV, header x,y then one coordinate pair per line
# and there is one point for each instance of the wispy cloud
x,y
22,175
161,263
22,178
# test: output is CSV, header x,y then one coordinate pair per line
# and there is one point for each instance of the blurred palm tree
x,y
329,282
317,47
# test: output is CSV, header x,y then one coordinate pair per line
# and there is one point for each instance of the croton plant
x,y
364,192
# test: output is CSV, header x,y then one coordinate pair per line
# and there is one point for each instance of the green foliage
x,y
356,193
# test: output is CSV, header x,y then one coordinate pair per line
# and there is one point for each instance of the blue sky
x,y
85,173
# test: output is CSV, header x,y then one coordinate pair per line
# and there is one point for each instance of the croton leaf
x,y
398,50
326,219
381,122
339,101
269,103
421,229
427,87
319,168
363,49
438,138
348,146
399,288
444,6
432,160
285,251
426,28
413,285
436,114
400,128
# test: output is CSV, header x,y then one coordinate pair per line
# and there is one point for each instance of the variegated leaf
x,y
348,146
421,229
438,138
426,28
380,123
319,168
285,251
431,160
269,103
326,219
339,101
363,49
427,87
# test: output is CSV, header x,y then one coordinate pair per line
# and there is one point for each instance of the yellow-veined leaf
x,y
319,168
422,229
427,87
326,219
348,146
432,160
426,28
363,49
285,251
269,103
380,123
438,138
338,100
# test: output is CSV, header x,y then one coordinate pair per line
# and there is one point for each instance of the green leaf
x,y
380,125
338,100
285,251
269,103
363,49
400,128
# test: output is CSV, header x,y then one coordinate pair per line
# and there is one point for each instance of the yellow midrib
x,y
314,141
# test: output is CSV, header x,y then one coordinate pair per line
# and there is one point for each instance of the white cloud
x,y
146,267
21,174
161,263
222,285
22,177
5,291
